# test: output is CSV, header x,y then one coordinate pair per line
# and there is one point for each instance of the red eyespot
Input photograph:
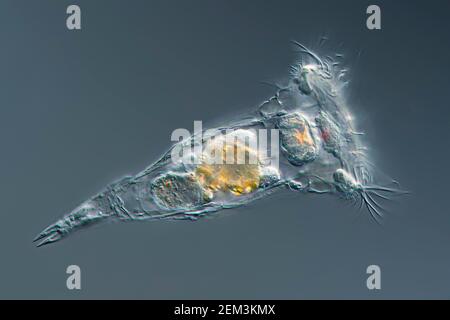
x,y
325,135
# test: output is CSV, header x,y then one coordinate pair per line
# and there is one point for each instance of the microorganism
x,y
313,148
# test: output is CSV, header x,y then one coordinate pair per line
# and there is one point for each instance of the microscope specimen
x,y
313,148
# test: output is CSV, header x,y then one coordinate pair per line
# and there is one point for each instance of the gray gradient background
x,y
81,109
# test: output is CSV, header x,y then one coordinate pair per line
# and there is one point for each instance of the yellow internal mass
x,y
236,178
303,137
